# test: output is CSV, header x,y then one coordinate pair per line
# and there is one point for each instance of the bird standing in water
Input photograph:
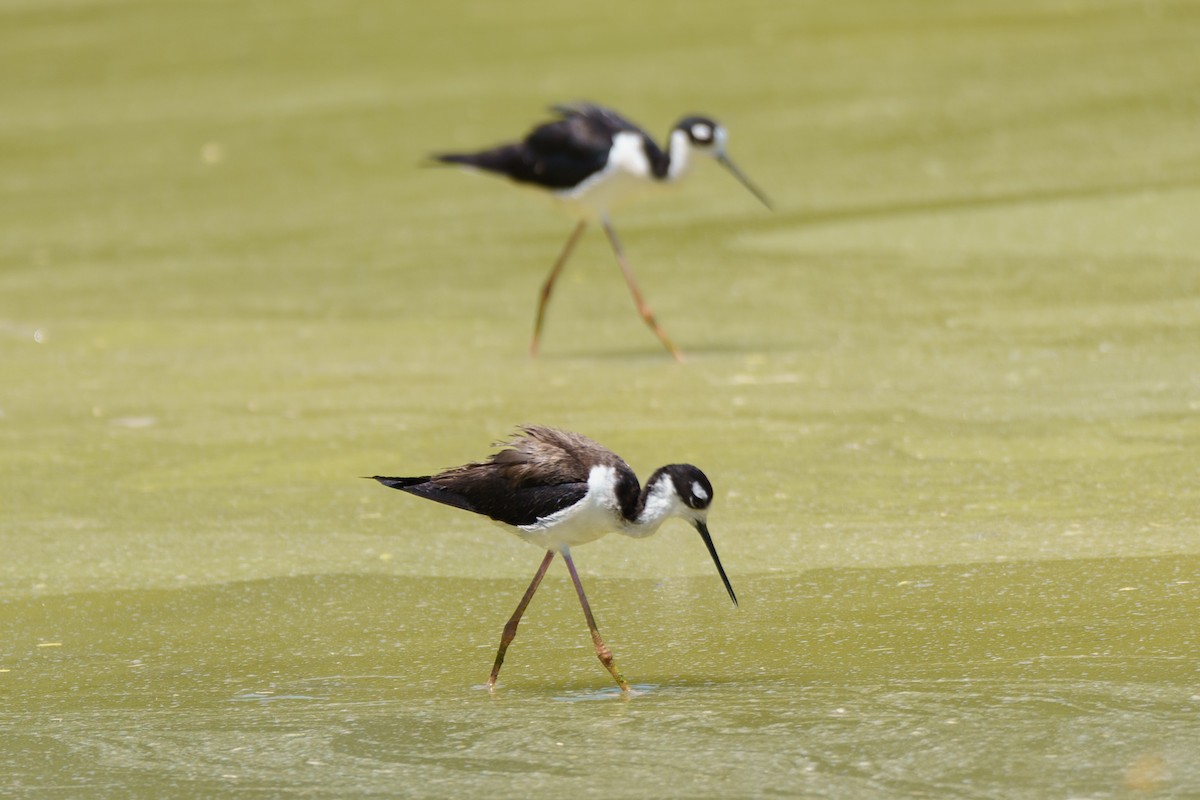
x,y
592,159
557,489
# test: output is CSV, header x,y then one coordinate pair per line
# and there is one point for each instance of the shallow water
x,y
1073,678
947,395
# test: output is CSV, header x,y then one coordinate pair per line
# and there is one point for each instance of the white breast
x,y
594,516
626,175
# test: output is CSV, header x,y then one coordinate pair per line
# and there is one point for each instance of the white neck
x,y
679,148
662,502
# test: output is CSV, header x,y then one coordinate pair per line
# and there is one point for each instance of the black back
x,y
562,153
494,497
540,472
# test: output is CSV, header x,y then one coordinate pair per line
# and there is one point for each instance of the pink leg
x,y
643,309
548,286
510,629
602,652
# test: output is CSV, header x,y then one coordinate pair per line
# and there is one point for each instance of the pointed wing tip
x,y
398,483
439,159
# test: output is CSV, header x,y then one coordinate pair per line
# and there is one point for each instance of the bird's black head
x,y
702,132
696,493
708,137
691,485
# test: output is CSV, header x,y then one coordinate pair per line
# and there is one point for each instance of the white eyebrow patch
x,y
702,132
698,490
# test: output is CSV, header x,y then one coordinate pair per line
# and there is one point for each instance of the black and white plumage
x,y
593,159
557,489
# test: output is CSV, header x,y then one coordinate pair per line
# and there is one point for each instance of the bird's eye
x,y
702,132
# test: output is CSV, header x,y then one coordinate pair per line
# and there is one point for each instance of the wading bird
x,y
592,159
557,489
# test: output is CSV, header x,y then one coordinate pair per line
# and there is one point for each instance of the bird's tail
x,y
465,159
426,487
504,159
400,483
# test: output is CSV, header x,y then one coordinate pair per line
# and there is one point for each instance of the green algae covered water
x,y
948,395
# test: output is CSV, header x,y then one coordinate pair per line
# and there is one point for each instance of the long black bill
x,y
728,164
712,551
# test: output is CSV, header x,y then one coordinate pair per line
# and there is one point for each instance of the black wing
x,y
606,123
557,155
539,472
598,120
493,496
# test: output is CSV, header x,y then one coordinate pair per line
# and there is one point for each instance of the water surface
x,y
948,394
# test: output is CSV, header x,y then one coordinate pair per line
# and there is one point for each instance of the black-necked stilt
x,y
557,489
592,159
